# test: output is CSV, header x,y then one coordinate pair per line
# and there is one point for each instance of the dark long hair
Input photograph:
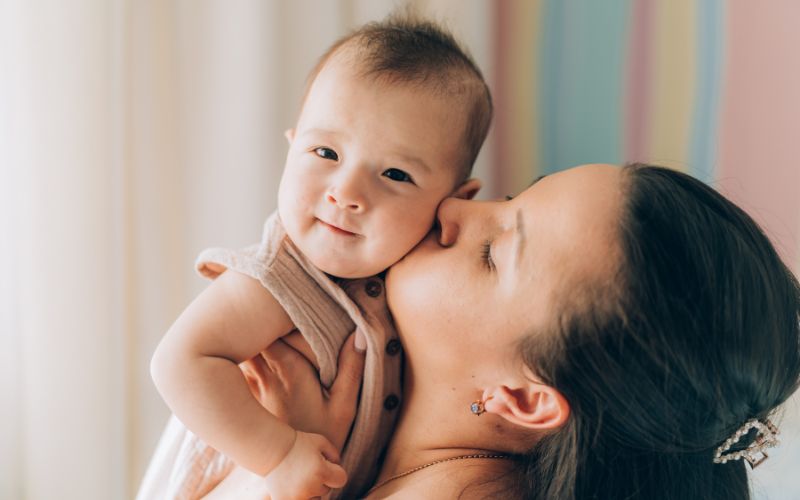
x,y
696,334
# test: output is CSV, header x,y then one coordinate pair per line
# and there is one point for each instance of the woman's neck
x,y
435,425
462,477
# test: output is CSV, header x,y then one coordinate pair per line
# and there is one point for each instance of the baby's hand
x,y
309,470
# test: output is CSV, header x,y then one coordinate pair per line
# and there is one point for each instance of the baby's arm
x,y
195,370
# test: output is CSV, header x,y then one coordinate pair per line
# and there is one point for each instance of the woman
x,y
603,335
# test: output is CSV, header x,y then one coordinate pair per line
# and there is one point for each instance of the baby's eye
x,y
327,153
398,175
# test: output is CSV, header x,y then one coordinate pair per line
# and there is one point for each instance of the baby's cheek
x,y
402,228
295,205
290,191
387,254
403,240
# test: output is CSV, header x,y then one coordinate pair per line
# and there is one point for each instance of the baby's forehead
x,y
444,83
451,102
450,83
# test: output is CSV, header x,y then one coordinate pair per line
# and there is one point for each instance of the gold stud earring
x,y
478,407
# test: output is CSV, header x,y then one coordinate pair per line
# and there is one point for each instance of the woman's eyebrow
x,y
519,237
519,230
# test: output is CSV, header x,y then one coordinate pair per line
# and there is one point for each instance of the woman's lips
x,y
336,229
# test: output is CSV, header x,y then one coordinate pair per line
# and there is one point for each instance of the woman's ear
x,y
533,406
289,134
468,189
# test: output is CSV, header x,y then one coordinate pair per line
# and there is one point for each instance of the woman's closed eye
x,y
486,255
326,153
398,175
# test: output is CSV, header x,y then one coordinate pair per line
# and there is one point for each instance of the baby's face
x,y
367,166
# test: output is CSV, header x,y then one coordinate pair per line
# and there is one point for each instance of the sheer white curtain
x,y
133,133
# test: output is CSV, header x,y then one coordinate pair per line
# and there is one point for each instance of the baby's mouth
x,y
337,229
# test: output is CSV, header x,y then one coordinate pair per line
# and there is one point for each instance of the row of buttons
x,y
373,288
392,349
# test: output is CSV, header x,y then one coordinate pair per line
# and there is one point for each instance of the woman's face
x,y
464,296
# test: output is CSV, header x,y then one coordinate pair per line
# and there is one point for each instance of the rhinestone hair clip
x,y
755,453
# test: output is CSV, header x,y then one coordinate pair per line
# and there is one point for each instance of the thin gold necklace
x,y
425,466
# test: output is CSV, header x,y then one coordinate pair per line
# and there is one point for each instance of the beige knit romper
x,y
326,313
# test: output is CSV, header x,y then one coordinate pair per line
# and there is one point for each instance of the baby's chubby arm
x,y
195,368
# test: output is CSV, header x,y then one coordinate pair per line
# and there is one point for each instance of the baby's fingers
x,y
328,450
256,370
333,475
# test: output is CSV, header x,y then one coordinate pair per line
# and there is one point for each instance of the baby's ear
x,y
289,134
468,189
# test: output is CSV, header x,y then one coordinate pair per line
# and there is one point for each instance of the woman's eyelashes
x,y
326,153
398,175
486,255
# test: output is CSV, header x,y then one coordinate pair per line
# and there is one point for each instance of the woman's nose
x,y
449,216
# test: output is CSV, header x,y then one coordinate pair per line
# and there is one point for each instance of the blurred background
x,y
134,133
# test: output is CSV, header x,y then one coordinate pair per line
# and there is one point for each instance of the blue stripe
x,y
705,122
582,72
550,74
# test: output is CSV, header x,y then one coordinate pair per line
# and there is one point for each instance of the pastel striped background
x,y
710,87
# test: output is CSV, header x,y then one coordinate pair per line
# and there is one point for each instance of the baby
x,y
392,120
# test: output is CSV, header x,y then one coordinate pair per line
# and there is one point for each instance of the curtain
x,y
133,134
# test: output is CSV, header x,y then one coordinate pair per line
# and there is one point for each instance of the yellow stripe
x,y
523,82
673,83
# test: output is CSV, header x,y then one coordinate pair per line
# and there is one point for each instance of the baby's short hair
x,y
403,49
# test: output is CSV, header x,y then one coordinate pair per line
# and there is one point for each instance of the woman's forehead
x,y
589,195
596,176
572,219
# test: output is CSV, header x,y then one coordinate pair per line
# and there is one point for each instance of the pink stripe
x,y
637,113
759,135
499,169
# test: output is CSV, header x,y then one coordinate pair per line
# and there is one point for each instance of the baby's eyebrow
x,y
320,131
417,161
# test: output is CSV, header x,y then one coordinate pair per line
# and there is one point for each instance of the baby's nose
x,y
348,189
346,196
349,203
